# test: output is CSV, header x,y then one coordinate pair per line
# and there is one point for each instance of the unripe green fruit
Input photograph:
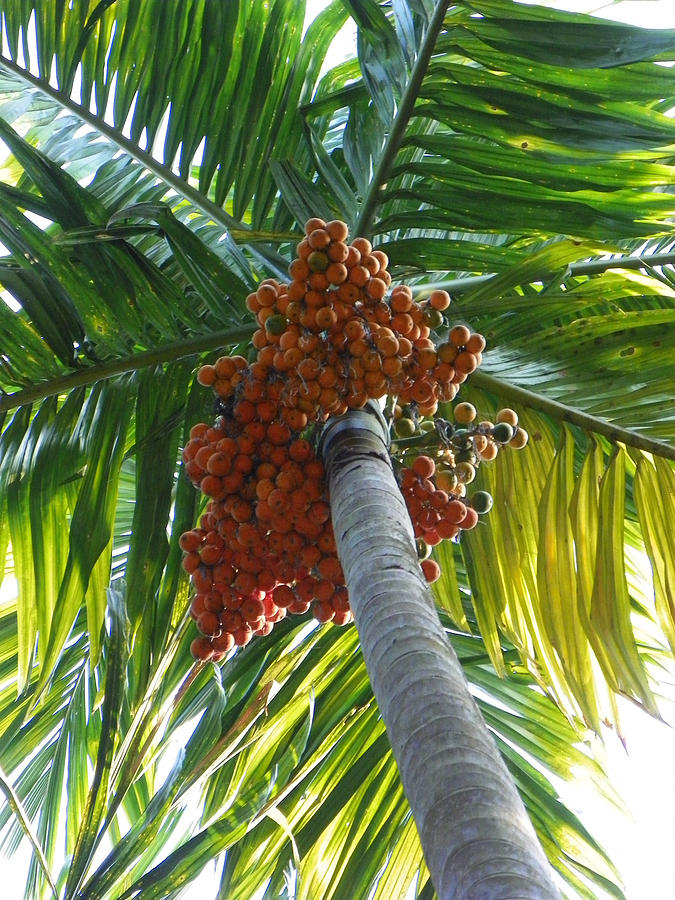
x,y
318,261
423,549
503,432
276,324
481,502
433,318
404,428
446,480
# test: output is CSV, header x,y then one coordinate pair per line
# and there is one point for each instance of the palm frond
x,y
274,754
196,85
549,567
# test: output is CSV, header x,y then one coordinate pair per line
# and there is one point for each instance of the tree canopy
x,y
161,158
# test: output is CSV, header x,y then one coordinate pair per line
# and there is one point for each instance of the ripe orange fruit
x,y
431,569
363,245
337,230
424,466
507,415
439,299
465,363
476,343
201,649
318,239
459,335
313,223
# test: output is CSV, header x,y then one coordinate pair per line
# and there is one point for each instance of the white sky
x,y
642,845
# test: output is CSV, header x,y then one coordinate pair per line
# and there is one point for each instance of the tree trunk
x,y
477,838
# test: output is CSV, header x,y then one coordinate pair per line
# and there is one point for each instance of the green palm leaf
x,y
211,73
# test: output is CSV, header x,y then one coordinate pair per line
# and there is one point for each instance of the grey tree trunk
x,y
477,839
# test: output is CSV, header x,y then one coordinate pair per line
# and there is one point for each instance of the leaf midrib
x,y
161,171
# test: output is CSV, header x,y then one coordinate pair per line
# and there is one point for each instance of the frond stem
x,y
17,808
563,413
401,120
588,267
109,369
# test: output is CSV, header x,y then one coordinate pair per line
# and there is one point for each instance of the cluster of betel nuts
x,y
334,337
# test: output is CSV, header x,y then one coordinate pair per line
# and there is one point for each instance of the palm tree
x,y
160,159
473,826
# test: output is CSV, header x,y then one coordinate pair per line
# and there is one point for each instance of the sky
x,y
639,841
